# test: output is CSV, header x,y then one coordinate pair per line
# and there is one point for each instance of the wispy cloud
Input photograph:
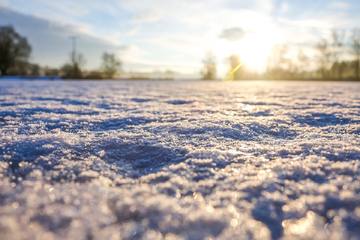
x,y
232,34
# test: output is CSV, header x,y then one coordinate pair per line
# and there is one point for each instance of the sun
x,y
255,49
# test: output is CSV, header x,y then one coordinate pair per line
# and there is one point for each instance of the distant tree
x,y
355,46
110,65
337,44
35,70
73,69
169,74
280,65
209,67
303,63
235,71
337,69
14,49
51,72
282,50
324,57
94,75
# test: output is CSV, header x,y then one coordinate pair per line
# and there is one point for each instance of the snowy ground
x,y
175,160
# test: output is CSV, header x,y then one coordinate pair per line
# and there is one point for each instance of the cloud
x,y
51,40
173,31
232,34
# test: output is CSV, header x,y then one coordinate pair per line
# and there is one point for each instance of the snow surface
x,y
179,160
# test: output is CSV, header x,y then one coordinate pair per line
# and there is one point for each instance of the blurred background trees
x,y
73,69
236,68
337,46
355,46
303,61
323,57
334,57
280,65
209,71
14,52
111,65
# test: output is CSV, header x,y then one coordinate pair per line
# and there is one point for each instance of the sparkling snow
x,y
179,160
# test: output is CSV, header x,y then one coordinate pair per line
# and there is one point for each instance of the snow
x,y
179,160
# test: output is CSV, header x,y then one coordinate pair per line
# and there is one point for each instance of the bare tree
x,y
35,70
111,65
235,72
355,45
303,63
324,57
280,65
74,68
209,69
14,50
77,61
337,44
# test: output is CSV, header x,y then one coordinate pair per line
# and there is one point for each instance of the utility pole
x,y
73,53
75,60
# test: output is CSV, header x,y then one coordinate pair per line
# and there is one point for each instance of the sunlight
x,y
179,119
233,72
255,50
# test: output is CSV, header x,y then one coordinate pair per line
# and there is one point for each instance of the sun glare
x,y
255,50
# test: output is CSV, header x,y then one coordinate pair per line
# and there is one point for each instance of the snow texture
x,y
179,160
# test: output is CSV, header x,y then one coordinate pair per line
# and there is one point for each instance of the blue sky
x,y
173,34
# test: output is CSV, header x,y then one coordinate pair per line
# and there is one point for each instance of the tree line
x,y
15,51
336,57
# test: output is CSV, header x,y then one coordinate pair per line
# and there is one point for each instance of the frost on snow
x,y
179,160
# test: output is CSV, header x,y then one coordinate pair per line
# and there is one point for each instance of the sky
x,y
173,35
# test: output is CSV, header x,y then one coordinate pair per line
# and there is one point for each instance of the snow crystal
x,y
179,160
